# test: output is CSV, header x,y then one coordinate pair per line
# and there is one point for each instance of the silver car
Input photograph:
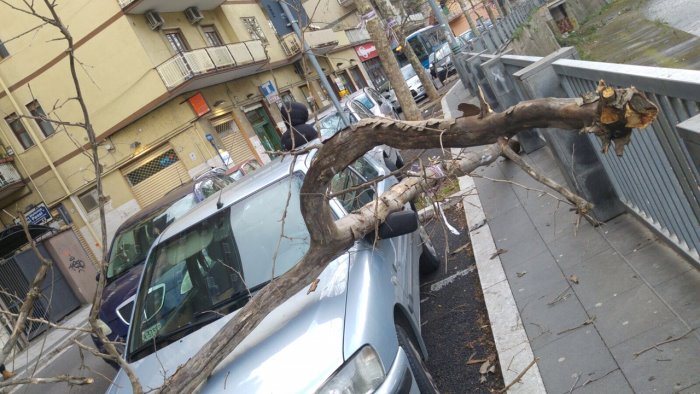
x,y
358,331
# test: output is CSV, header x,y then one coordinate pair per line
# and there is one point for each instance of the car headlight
x,y
362,373
103,326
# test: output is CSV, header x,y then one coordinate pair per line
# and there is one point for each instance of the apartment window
x,y
44,124
3,51
212,36
20,132
254,29
89,200
176,40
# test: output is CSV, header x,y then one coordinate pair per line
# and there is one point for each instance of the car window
x,y
358,173
365,100
360,109
374,95
207,270
408,72
210,185
130,246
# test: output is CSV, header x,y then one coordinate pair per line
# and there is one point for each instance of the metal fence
x,y
656,179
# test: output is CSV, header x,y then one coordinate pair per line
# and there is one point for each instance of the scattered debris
x,y
473,361
461,248
498,253
668,340
478,225
521,274
520,375
485,367
573,279
561,297
587,322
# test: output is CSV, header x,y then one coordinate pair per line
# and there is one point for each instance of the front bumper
x,y
399,378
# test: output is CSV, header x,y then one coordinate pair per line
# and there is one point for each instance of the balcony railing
x,y
10,179
187,65
142,6
290,44
357,35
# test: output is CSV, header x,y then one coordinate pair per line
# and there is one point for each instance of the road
x,y
70,362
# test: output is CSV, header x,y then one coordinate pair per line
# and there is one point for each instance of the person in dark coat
x,y
295,116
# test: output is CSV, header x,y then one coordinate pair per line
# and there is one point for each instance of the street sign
x,y
270,92
38,215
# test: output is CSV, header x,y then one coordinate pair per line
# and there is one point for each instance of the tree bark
x,y
467,14
422,73
329,237
389,62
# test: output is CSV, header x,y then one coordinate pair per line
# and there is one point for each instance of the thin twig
x,y
671,339
520,375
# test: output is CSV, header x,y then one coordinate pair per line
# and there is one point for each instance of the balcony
x,y
346,3
209,66
141,6
321,41
357,36
10,180
290,44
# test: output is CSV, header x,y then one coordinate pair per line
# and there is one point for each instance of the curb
x,y
512,344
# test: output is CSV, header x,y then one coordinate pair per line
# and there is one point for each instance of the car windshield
x,y
211,269
331,124
366,101
408,72
131,245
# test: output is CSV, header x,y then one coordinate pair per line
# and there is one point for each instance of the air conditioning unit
x,y
193,15
155,21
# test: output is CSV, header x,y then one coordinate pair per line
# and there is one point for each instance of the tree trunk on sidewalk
x,y
422,73
467,14
389,62
489,11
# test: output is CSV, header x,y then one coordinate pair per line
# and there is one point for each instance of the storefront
x,y
367,53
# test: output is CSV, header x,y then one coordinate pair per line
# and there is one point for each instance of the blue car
x,y
130,246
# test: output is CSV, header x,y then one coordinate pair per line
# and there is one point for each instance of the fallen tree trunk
x,y
611,118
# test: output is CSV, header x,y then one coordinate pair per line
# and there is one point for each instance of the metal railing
x,y
357,35
8,173
186,65
656,178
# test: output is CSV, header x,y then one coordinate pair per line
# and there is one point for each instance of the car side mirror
x,y
397,224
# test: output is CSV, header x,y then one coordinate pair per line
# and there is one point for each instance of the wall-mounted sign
x,y
38,215
199,104
366,51
270,92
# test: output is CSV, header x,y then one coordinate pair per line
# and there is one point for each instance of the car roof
x,y
271,172
168,199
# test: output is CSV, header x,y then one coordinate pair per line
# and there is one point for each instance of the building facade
x,y
170,85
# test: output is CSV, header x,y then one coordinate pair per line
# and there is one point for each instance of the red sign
x,y
199,105
366,51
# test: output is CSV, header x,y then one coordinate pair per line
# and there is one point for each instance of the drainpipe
x,y
30,130
314,62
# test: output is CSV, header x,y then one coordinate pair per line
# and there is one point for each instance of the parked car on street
x,y
330,123
358,331
441,65
372,100
239,171
130,246
413,82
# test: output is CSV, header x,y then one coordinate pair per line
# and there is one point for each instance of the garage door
x,y
155,175
232,138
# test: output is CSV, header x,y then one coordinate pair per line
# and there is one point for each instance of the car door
x,y
399,251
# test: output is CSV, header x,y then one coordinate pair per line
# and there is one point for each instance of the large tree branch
x,y
329,237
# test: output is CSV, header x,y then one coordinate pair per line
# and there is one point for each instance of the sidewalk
x,y
49,344
591,300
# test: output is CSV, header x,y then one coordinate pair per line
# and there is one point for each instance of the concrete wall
x,y
75,265
580,10
535,38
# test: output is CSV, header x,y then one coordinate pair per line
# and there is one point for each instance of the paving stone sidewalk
x,y
593,301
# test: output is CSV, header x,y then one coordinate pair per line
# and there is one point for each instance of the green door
x,y
264,129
